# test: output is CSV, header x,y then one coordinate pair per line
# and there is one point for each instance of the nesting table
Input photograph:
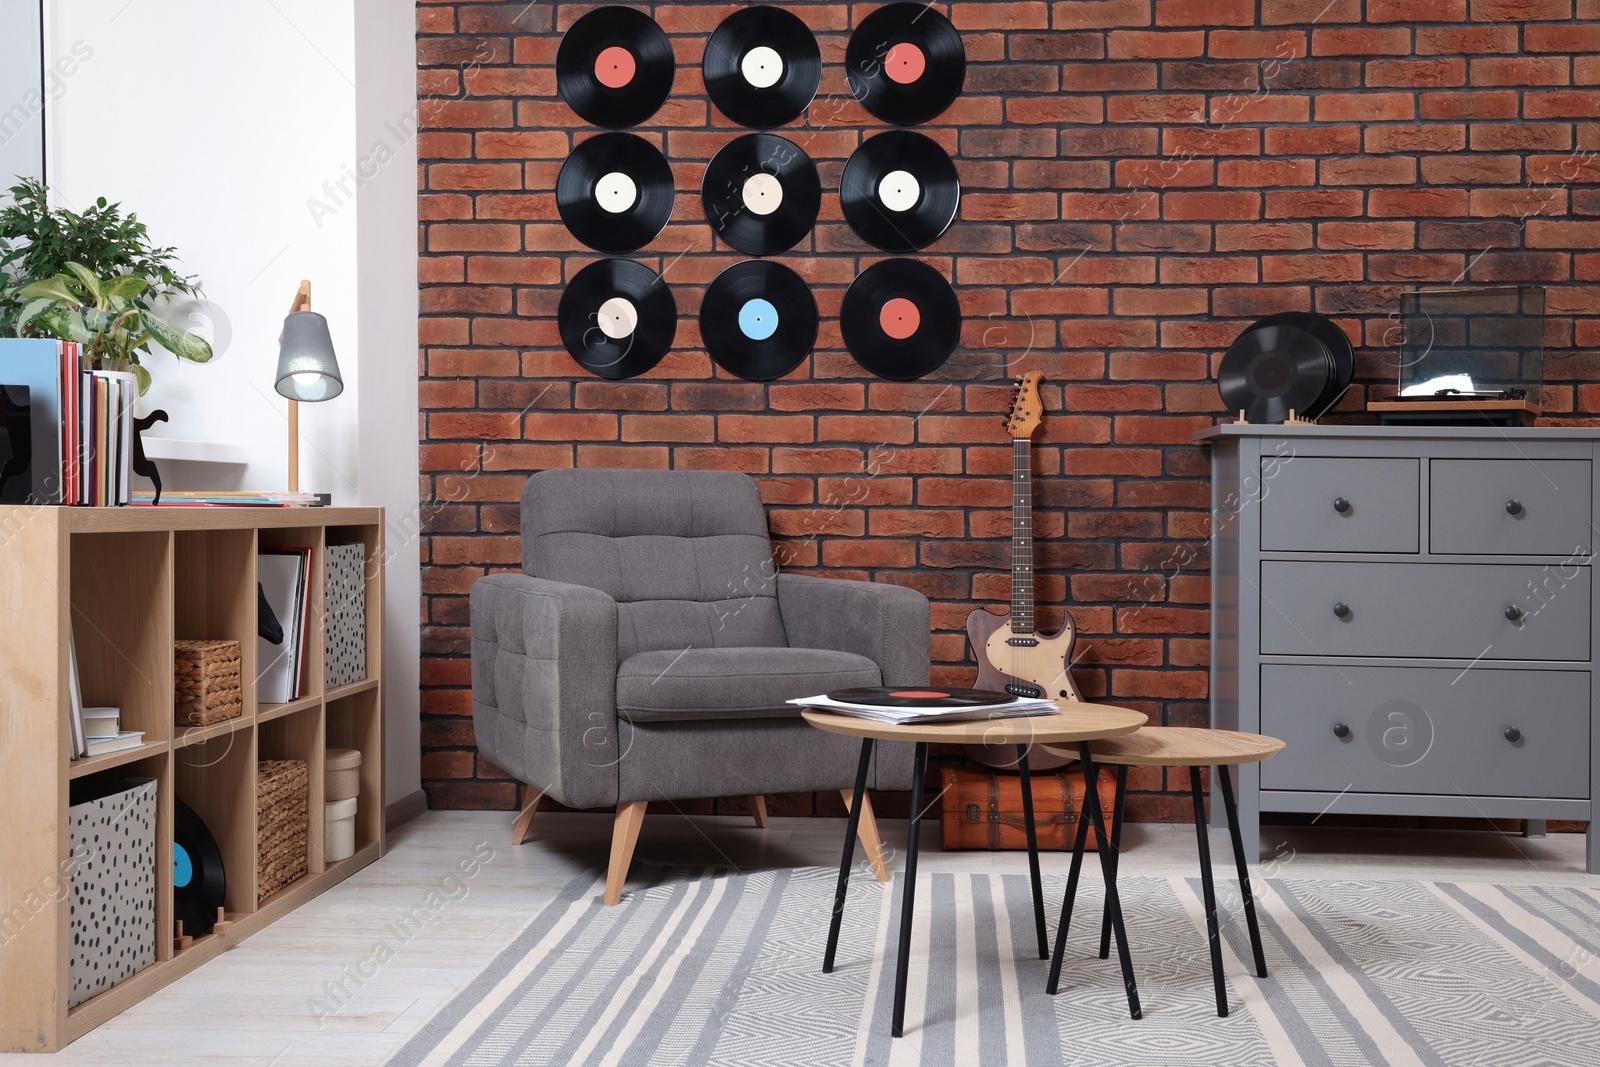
x,y
1075,723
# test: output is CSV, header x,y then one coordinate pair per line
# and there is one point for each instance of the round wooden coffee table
x,y
1075,723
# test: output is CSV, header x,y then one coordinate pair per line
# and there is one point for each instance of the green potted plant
x,y
92,277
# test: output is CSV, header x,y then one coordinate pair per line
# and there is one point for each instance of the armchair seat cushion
x,y
732,683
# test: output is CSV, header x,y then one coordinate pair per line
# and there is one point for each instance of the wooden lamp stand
x,y
302,302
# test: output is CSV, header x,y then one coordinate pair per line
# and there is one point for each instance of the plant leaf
x,y
31,310
86,278
65,324
179,342
143,376
128,286
57,289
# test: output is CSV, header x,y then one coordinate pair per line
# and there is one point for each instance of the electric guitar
x,y
1013,657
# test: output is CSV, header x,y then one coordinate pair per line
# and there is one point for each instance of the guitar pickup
x,y
1030,692
1026,642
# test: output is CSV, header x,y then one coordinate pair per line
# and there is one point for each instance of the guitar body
x,y
1038,669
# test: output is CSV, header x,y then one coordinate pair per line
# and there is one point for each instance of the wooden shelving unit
x,y
128,582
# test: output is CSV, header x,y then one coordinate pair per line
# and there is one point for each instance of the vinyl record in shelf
x,y
758,320
614,67
905,63
761,194
900,319
1274,370
615,192
617,318
199,882
899,191
762,67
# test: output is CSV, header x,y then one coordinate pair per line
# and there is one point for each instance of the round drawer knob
x,y
1340,730
1513,507
1513,734
1342,610
1514,613
1341,505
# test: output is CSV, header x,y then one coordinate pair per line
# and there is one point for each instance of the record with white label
x,y
762,67
758,320
900,319
617,318
761,194
899,191
615,192
905,63
614,67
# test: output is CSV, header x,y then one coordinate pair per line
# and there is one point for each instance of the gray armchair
x,y
646,651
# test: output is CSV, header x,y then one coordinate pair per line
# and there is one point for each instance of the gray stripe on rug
x,y
1514,934
728,994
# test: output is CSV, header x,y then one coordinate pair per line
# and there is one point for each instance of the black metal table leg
x,y
852,826
1108,871
908,898
1116,854
1209,890
1244,869
1033,851
1052,984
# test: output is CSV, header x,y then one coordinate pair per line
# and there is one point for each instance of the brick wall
x,y
1141,180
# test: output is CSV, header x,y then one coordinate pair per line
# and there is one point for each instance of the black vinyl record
x,y
900,319
899,191
1271,371
762,67
617,318
615,192
614,67
930,697
905,63
761,194
1335,340
758,320
199,882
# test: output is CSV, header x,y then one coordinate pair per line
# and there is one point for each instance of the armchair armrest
x,y
888,624
544,682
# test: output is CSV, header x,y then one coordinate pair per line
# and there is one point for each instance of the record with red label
x,y
905,63
899,191
762,67
758,320
900,319
615,192
761,194
617,318
936,697
614,67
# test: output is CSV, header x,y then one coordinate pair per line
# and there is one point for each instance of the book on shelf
x,y
121,742
76,740
101,723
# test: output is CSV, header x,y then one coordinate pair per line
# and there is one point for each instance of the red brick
x,y
787,429
1099,14
1319,12
1206,13
1431,73
1311,268
1258,174
1280,45
1473,40
1521,70
1367,235
1157,44
1410,11
1414,203
1360,42
1215,205
1364,107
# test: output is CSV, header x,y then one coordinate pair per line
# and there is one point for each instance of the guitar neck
x,y
1022,536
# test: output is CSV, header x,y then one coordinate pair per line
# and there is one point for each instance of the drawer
x,y
1419,730
1510,507
1338,504
1431,610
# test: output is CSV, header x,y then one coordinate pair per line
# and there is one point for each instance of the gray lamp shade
x,y
307,367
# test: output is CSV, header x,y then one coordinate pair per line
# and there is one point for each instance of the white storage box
x,y
112,912
342,774
339,830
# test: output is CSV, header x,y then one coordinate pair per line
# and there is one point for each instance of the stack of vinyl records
x,y
902,707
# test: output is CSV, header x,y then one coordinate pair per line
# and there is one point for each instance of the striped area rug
x,y
704,967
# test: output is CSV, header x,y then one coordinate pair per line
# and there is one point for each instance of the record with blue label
x,y
758,320
617,318
199,883
900,319
905,63
761,194
899,191
615,192
762,67
615,67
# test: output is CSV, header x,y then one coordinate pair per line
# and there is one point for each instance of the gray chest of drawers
x,y
1411,610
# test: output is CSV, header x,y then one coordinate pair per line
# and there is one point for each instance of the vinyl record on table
x,y
617,318
758,320
762,67
905,63
761,194
614,67
899,191
900,319
930,697
1338,344
1271,371
615,192
199,883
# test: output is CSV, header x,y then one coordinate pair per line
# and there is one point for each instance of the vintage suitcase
x,y
983,809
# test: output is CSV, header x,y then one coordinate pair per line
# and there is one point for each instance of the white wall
x,y
23,91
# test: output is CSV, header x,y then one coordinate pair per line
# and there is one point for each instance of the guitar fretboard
x,y
1022,536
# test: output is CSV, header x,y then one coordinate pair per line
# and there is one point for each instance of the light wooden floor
x,y
347,977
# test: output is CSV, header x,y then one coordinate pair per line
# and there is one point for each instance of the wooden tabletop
x,y
1179,746
1076,721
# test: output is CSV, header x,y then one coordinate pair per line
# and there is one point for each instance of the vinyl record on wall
x,y
199,882
761,194
758,320
617,318
614,67
615,192
905,63
762,67
899,191
900,319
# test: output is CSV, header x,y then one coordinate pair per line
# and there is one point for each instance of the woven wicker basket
x,y
206,682
282,822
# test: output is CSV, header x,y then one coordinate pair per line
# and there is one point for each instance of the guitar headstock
x,y
1027,410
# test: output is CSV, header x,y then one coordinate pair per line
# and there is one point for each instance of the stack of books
x,y
285,578
901,715
69,431
94,731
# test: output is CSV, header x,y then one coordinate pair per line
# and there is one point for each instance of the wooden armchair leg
x,y
519,831
867,831
624,835
758,808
